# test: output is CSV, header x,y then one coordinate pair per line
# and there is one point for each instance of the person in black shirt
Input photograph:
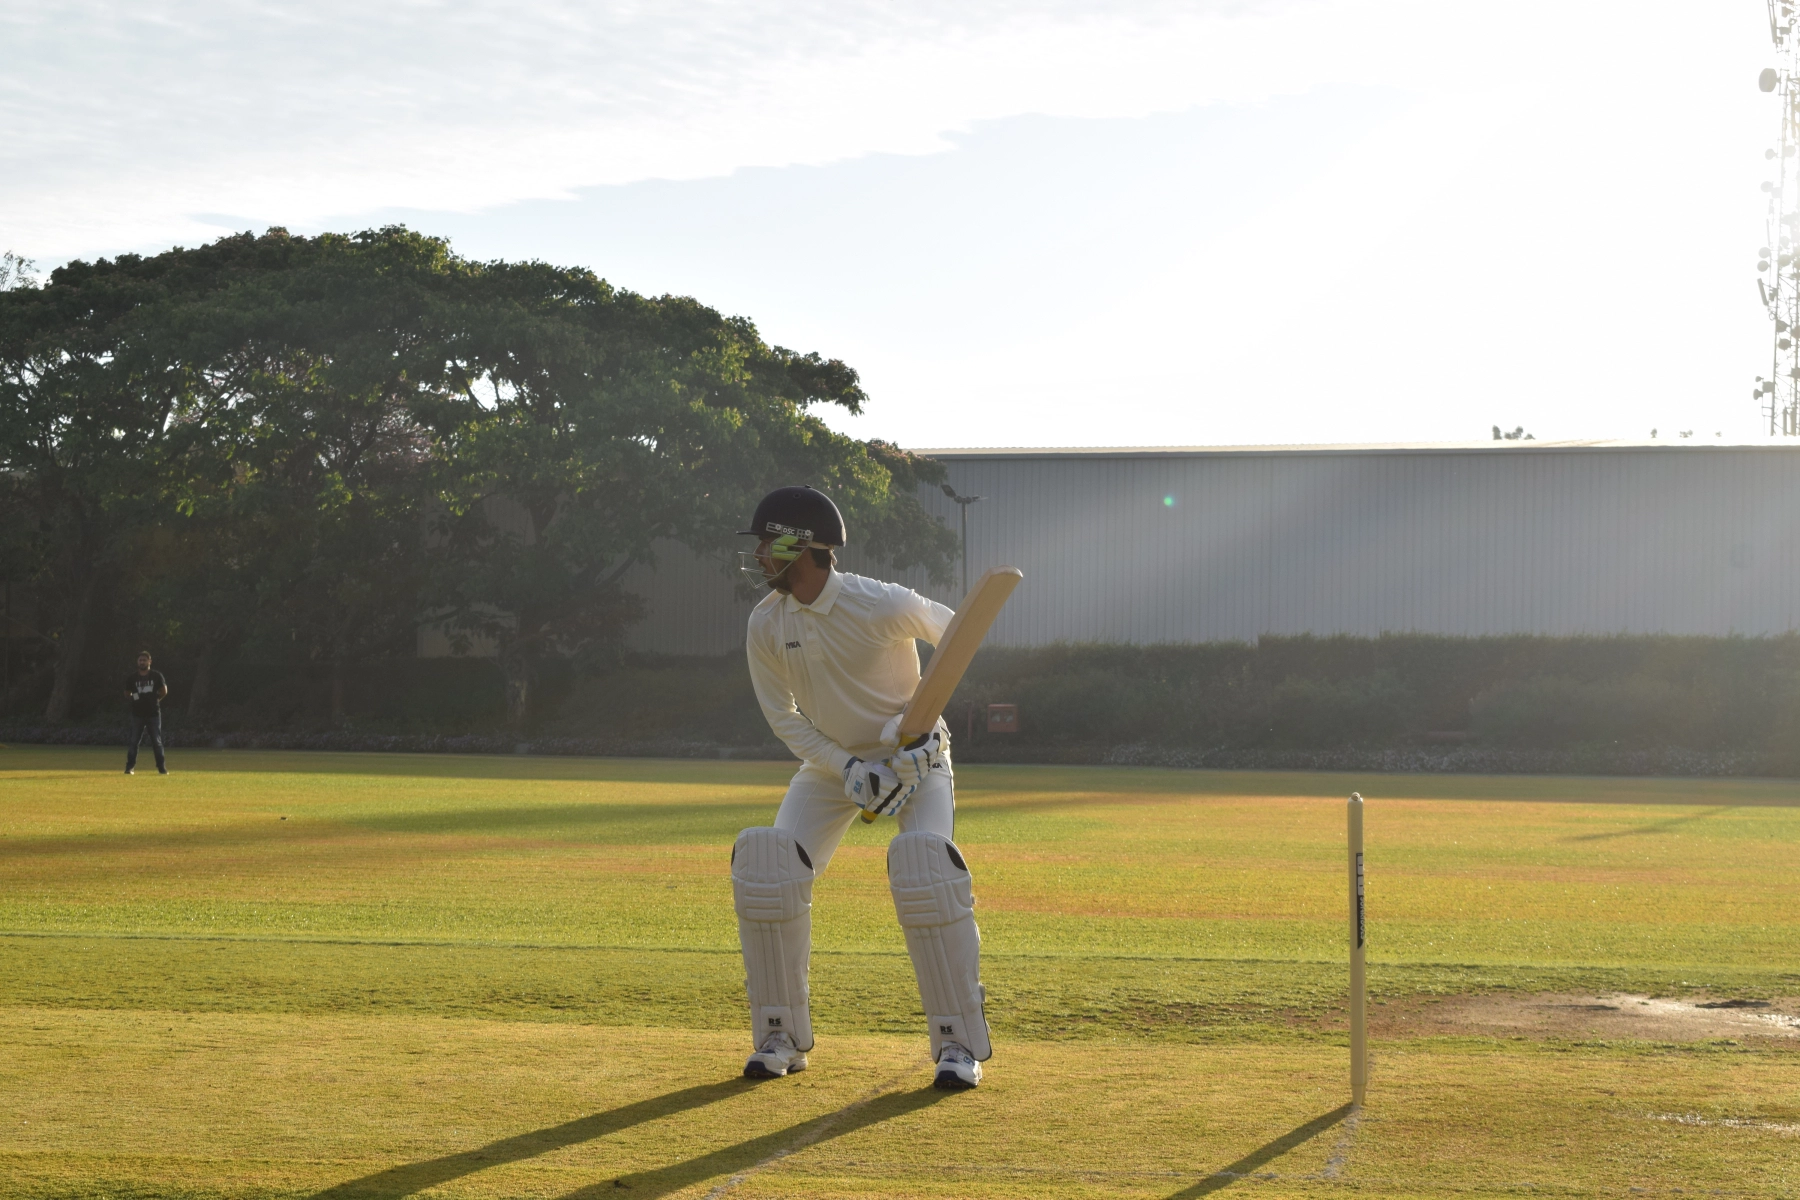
x,y
146,690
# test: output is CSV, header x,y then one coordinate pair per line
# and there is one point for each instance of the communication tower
x,y
1778,278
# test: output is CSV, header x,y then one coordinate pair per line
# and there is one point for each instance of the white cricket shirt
x,y
831,673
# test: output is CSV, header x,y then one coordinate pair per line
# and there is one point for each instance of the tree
x,y
136,393
336,436
596,424
104,431
336,464
16,272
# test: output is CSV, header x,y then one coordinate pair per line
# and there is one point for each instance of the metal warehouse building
x,y
1197,544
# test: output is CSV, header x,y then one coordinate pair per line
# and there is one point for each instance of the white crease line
x,y
819,1129
879,1168
1340,1153
1727,1122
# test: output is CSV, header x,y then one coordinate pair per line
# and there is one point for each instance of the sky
x,y
1029,222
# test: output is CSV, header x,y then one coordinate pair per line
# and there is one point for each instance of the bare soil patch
x,y
1610,1017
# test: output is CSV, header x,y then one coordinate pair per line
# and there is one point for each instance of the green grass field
x,y
310,975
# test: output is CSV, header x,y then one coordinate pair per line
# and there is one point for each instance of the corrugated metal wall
x,y
1513,540
1230,545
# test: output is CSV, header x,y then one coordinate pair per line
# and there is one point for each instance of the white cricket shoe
x,y
957,1069
777,1057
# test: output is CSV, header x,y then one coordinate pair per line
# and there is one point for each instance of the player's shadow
x,y
416,1177
1663,826
1224,1177
412,1178
645,1185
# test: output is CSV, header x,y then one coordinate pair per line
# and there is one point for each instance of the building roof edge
x,y
1376,448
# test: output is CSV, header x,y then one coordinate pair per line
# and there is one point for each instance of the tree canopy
x,y
332,441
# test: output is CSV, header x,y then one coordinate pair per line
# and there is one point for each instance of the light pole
x,y
963,502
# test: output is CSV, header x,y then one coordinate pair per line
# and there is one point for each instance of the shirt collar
x,y
822,606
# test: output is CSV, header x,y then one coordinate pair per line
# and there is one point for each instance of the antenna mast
x,y
1779,273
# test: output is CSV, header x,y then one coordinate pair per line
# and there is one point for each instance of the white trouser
x,y
817,814
944,945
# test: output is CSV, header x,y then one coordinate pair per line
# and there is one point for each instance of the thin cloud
x,y
136,124
1447,215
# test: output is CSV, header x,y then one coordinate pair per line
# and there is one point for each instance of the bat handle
x,y
868,817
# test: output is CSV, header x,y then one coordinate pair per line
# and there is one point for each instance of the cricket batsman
x,y
833,661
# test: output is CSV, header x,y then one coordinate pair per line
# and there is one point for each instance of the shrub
x,y
1711,695
1327,713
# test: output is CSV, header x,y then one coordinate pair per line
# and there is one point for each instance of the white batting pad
x,y
935,900
771,883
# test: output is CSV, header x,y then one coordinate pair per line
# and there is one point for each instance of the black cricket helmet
x,y
804,514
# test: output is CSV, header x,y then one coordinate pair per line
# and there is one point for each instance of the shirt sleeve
x,y
917,616
784,716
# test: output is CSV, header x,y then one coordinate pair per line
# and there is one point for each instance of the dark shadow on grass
x,y
587,823
649,820
416,1177
1663,826
732,1159
1085,788
30,757
1224,1177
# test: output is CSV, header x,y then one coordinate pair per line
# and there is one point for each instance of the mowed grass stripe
x,y
1126,1000
627,853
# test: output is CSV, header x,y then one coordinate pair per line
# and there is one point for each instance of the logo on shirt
x,y
793,645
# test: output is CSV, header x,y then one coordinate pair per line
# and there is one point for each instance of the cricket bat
x,y
955,650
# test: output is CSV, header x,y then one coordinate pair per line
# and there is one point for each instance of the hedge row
x,y
1625,693
1723,705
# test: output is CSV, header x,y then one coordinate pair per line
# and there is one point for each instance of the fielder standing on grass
x,y
833,661
146,690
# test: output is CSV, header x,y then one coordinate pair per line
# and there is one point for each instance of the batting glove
x,y
874,787
890,733
918,757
